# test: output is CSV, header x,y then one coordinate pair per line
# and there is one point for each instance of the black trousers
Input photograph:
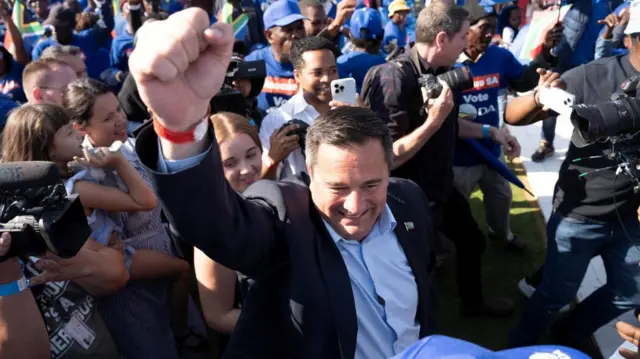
x,y
456,222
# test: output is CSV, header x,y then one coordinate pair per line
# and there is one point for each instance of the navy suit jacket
x,y
301,305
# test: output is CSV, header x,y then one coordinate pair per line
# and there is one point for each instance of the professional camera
x,y
618,119
459,78
231,100
36,210
301,131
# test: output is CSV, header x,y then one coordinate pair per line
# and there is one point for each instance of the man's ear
x,y
296,75
441,39
268,34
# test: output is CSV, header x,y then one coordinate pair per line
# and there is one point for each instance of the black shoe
x,y
544,151
515,244
496,307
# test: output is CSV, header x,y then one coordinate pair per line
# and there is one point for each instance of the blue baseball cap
x,y
369,20
282,13
438,346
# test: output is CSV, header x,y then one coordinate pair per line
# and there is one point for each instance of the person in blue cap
x,y
366,37
438,346
283,24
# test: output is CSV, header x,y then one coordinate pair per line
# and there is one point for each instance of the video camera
x,y
36,210
231,100
459,78
616,122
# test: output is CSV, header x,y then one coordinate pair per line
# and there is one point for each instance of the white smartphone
x,y
557,99
344,90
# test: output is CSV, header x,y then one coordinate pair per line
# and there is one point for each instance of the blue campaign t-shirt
x,y
121,24
11,83
96,57
393,32
6,105
121,48
491,73
279,84
356,64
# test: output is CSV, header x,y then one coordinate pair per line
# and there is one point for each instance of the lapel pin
x,y
408,226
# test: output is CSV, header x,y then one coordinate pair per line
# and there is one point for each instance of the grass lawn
x,y
501,272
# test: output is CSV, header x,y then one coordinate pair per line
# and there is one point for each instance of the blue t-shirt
x,y
6,105
392,32
491,73
121,24
11,83
356,64
279,84
121,48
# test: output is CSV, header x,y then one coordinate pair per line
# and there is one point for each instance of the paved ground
x,y
542,178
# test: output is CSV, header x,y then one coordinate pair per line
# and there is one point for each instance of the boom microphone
x,y
25,175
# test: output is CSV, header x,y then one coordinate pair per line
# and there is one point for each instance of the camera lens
x,y
607,119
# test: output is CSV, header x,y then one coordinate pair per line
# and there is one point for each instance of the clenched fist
x,y
179,64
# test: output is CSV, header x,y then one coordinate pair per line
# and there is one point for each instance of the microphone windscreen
x,y
25,175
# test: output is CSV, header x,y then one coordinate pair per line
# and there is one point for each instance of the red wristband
x,y
196,133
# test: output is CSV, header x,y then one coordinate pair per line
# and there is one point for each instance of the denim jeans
x,y
571,245
549,129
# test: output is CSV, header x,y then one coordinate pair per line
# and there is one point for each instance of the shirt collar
x,y
298,103
385,224
464,58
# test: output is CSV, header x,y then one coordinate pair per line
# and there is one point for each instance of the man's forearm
x,y
524,110
468,129
406,147
22,330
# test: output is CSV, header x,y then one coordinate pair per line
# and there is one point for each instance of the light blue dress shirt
x,y
384,288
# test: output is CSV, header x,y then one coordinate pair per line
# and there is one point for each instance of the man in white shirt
x,y
314,62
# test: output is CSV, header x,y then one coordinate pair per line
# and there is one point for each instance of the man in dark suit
x,y
344,268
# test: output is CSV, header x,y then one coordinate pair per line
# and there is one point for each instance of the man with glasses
x,y
45,79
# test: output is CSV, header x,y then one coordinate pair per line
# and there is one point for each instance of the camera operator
x,y
22,331
594,211
424,145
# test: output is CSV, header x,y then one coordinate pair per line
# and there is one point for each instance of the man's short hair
x,y
439,17
42,66
346,126
310,3
57,51
311,43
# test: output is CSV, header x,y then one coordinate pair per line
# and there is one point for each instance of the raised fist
x,y
179,64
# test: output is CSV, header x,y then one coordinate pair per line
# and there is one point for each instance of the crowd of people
x,y
290,224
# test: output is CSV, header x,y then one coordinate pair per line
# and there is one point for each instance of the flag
x,y
31,29
541,22
238,24
116,6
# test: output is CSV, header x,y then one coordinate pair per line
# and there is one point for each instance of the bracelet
x,y
16,286
486,132
535,97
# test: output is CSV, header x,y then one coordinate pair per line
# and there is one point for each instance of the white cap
x,y
633,26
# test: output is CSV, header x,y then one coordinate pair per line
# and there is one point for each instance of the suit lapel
x,y
409,236
338,286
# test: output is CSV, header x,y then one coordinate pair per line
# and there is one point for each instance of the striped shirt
x,y
279,84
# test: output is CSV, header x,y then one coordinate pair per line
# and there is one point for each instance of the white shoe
x,y
527,290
